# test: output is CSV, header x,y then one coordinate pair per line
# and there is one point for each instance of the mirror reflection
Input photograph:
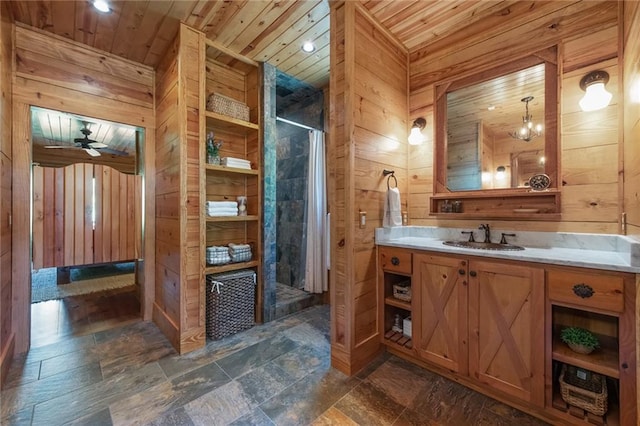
x,y
495,131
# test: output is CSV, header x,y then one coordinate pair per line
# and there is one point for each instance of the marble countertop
x,y
607,252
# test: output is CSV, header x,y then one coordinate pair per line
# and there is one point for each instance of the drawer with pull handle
x,y
603,292
395,260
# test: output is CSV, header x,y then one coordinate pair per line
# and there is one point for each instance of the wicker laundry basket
x,y
230,302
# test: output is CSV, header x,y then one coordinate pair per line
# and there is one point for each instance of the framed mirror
x,y
496,129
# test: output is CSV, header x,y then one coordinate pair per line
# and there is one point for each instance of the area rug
x,y
44,287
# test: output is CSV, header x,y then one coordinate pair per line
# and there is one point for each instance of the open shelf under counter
x,y
398,341
519,204
603,360
248,218
394,301
230,124
230,267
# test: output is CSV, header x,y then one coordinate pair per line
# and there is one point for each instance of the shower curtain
x,y
316,262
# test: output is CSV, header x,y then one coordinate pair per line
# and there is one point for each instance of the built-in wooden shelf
x,y
229,124
230,267
234,170
500,204
398,340
610,418
397,303
248,218
603,360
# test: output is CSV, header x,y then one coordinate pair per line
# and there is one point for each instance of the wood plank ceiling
x,y
270,31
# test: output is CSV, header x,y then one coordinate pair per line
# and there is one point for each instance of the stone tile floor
x,y
276,373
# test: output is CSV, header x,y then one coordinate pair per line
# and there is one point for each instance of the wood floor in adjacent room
x,y
101,370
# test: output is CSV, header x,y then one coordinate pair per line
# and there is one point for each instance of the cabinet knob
x,y
473,273
583,290
461,271
395,261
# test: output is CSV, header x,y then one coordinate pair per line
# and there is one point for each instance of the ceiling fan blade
x,y
114,152
97,145
59,146
92,152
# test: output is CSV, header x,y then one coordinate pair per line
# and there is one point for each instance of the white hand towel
x,y
392,209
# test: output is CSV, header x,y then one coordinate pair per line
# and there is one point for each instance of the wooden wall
x,y
6,323
368,130
51,72
631,90
63,228
179,306
587,36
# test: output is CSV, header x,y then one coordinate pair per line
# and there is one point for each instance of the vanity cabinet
x,y
494,325
506,331
482,319
604,304
440,315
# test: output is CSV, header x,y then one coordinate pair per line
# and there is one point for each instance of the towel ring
x,y
390,174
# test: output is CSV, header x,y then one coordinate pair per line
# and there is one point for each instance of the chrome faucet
x,y
487,232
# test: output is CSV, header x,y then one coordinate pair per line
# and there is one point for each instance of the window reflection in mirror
x,y
485,147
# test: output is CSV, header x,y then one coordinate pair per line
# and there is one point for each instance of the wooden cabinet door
x,y
506,328
440,311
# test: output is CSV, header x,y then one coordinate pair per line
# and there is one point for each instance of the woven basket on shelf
x,y
402,291
227,106
230,303
588,393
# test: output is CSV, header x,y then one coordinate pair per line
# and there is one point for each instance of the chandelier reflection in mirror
x,y
528,131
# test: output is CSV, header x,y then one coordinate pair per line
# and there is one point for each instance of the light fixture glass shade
x,y
596,97
415,136
102,6
501,172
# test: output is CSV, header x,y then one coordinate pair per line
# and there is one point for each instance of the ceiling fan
x,y
90,146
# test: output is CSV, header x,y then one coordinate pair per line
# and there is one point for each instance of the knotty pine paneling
x,y
179,307
6,166
369,130
587,40
118,90
631,129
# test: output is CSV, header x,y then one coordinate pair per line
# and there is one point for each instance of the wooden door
x,y
440,311
506,328
63,224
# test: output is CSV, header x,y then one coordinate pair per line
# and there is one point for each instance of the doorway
x,y
86,224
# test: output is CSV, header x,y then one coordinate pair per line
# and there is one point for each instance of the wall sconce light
x,y
596,96
500,172
102,6
415,137
528,131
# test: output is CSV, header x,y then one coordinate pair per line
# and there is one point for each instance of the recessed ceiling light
x,y
102,6
491,107
308,46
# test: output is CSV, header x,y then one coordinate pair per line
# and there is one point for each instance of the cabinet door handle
x,y
473,273
583,290
461,271
395,261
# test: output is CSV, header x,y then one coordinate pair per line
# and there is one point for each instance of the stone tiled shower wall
x,y
292,158
304,105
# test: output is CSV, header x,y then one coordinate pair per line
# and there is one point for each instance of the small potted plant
x,y
579,339
213,149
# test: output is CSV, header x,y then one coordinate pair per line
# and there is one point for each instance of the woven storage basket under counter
x,y
230,302
589,393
